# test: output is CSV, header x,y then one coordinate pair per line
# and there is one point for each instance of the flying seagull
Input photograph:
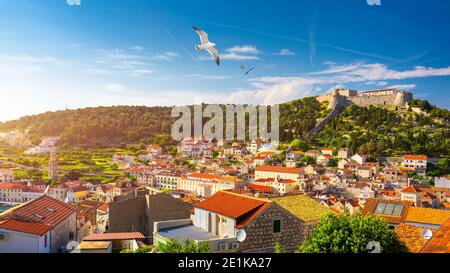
x,y
246,71
207,45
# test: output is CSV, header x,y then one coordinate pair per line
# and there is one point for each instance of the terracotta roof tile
x,y
278,169
411,236
231,204
427,216
25,227
440,242
114,236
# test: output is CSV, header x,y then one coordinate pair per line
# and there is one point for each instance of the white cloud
x,y
286,52
73,2
405,87
114,87
166,56
244,49
25,63
241,52
118,61
272,90
138,48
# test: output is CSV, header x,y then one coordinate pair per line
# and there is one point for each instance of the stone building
x,y
138,213
219,220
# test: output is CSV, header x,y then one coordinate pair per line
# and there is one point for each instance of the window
x,y
276,226
45,240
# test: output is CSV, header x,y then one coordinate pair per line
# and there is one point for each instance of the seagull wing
x,y
213,51
250,70
203,35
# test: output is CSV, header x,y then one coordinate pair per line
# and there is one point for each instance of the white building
x,y
417,163
206,184
44,225
6,175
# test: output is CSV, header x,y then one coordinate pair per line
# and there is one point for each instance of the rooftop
x,y
114,236
278,169
427,216
231,204
440,242
182,233
411,236
302,206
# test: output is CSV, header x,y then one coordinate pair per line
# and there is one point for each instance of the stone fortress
x,y
340,98
382,97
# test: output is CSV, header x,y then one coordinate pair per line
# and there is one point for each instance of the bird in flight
x,y
247,71
207,45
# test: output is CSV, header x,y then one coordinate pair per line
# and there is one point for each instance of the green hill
x,y
374,130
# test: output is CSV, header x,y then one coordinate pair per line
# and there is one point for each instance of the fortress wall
x,y
374,100
322,98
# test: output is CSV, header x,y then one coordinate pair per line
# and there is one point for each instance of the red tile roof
x,y
440,242
43,209
114,236
278,169
25,227
411,189
11,186
37,216
415,157
231,204
261,188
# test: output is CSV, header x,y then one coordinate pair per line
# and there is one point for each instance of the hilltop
x,y
418,128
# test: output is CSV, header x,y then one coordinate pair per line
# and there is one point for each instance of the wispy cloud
x,y
271,90
406,87
26,63
312,45
166,56
137,48
113,87
242,52
286,52
119,61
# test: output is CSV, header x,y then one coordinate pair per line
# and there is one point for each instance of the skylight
x,y
389,209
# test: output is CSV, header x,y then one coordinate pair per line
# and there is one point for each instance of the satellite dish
x,y
241,235
427,234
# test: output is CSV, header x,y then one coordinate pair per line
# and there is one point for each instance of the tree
x,y
188,246
300,145
138,251
279,248
351,234
73,175
444,164
308,160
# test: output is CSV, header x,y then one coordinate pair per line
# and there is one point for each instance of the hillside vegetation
x,y
374,130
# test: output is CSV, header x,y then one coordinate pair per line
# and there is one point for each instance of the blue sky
x,y
135,52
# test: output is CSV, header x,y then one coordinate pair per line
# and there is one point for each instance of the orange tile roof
x,y
11,186
415,157
427,216
43,211
261,188
371,204
231,204
440,242
25,227
277,169
114,236
411,236
411,189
